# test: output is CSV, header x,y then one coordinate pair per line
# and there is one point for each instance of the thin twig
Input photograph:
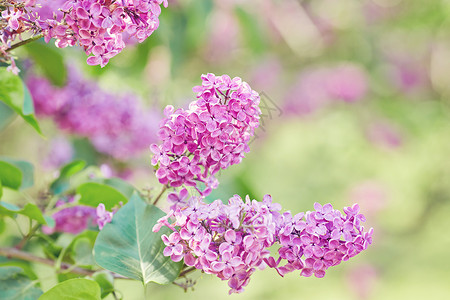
x,y
160,194
24,42
188,270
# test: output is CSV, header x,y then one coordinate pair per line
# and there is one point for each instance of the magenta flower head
x,y
227,240
211,135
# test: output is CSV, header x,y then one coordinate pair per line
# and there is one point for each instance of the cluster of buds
x,y
212,134
232,240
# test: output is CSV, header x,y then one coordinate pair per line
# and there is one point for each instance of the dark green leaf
x,y
14,285
9,173
72,289
128,246
50,61
106,282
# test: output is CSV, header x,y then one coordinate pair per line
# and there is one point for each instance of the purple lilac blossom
x,y
232,240
103,216
97,26
212,134
116,125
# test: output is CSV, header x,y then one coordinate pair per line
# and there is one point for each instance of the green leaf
x,y
50,61
7,115
14,285
78,288
30,210
10,175
1,189
251,31
94,193
106,281
16,174
15,95
129,247
62,183
82,252
122,186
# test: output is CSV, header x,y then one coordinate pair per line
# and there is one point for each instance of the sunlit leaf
x,y
72,289
93,193
15,95
30,210
16,174
106,282
128,246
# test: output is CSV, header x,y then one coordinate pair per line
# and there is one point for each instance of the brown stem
x,y
21,43
160,194
187,271
15,253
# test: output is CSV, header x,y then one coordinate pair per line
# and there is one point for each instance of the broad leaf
x,y
15,95
14,285
1,189
128,246
16,174
72,289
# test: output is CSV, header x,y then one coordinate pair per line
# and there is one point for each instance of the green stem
x,y
24,42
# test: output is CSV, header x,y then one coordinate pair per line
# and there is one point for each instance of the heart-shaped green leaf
x,y
129,247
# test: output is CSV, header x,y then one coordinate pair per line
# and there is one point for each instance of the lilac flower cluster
x,y
98,26
212,134
232,240
314,241
116,125
229,241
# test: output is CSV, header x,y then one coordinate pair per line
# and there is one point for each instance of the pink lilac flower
x,y
212,134
116,125
98,26
319,239
103,216
229,241
232,240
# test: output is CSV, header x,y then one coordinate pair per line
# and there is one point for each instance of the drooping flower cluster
x,y
212,134
98,26
232,240
229,241
116,125
314,241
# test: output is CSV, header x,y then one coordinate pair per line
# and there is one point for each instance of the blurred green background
x,y
355,109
